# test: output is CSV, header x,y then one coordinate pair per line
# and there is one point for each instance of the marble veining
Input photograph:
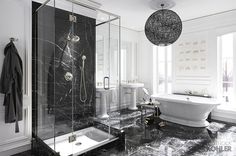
x,y
178,140
124,118
173,140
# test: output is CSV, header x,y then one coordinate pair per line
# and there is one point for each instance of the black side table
x,y
146,105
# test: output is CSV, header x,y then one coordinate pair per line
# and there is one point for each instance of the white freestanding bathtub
x,y
186,110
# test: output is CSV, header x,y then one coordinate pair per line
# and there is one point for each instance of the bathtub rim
x,y
164,97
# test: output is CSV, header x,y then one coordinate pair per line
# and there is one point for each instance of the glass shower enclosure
x,y
76,80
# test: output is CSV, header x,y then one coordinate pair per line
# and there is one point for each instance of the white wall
x,y
204,28
194,63
208,29
15,16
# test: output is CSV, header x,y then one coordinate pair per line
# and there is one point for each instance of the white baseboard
x,y
224,115
16,150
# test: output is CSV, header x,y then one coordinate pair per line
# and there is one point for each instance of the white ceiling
x,y
134,13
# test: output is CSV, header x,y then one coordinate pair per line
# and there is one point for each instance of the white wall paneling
x,y
191,64
191,56
16,22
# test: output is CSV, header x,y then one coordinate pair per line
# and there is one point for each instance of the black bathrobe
x,y
11,85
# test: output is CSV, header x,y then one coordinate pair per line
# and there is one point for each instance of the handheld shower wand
x,y
82,81
83,59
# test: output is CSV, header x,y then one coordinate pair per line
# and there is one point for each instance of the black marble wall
x,y
56,101
68,94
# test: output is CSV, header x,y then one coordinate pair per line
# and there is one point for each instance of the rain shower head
x,y
73,38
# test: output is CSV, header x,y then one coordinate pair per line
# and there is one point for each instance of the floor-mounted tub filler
x,y
186,110
86,140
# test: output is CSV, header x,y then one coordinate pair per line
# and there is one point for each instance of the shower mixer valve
x,y
68,76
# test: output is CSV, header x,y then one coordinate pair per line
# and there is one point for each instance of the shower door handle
x,y
106,79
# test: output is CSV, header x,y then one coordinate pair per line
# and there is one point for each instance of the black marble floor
x,y
176,140
124,118
26,153
218,139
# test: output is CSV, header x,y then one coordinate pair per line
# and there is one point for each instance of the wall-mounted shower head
x,y
82,81
83,59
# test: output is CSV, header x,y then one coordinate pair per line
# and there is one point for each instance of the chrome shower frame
x,y
115,17
112,19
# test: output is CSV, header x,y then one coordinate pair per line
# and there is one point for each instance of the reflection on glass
x,y
162,69
128,62
169,69
123,64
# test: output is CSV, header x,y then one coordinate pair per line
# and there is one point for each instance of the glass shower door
x,y
69,44
64,78
102,69
107,71
53,77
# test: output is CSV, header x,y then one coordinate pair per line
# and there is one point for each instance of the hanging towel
x,y
11,85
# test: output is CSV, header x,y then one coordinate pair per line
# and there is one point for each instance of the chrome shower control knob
x,y
68,76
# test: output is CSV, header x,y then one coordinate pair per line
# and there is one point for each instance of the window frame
x,y
220,67
155,72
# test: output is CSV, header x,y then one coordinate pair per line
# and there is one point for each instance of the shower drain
x,y
78,143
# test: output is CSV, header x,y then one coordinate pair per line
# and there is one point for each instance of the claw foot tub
x,y
186,110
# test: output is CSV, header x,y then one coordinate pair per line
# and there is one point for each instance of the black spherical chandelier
x,y
163,27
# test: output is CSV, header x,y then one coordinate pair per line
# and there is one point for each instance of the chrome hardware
x,y
104,83
72,18
68,76
13,39
72,138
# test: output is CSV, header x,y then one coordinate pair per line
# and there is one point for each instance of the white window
x,y
226,46
162,69
123,64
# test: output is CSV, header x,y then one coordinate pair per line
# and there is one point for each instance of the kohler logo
x,y
220,148
223,146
